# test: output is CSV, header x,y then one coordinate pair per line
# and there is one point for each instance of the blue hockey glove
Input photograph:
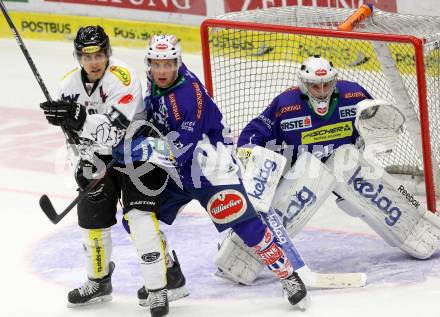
x,y
140,150
153,150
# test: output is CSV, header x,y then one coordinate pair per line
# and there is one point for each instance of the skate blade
x,y
303,304
100,299
173,295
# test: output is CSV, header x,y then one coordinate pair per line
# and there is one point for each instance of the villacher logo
x,y
227,206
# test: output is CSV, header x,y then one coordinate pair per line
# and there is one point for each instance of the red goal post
x,y
250,57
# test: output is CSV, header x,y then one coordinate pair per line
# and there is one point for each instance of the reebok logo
x,y
408,196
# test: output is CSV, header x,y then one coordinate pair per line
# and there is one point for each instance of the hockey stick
x,y
48,208
46,204
310,278
34,69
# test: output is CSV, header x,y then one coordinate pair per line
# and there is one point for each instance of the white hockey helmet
x,y
163,46
317,80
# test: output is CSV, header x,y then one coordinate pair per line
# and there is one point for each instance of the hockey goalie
x,y
332,136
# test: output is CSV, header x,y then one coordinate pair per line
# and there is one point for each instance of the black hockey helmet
x,y
91,39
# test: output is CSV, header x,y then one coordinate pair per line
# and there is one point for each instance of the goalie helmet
x,y
317,80
91,39
163,47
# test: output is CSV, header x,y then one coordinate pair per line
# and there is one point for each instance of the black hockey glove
x,y
68,114
84,171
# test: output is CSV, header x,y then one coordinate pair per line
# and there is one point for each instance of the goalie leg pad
x,y
373,193
302,191
238,261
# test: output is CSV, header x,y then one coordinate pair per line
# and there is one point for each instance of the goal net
x,y
252,56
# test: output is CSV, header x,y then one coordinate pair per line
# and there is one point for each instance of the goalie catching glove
x,y
379,123
70,115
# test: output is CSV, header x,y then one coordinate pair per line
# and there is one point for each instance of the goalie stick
x,y
310,278
261,189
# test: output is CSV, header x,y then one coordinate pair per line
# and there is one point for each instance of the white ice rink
x,y
40,262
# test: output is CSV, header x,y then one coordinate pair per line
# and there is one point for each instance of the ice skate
x,y
296,291
158,303
92,291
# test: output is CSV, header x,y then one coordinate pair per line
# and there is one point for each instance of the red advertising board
x,y
243,5
196,7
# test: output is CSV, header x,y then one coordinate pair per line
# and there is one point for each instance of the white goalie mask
x,y
317,80
163,47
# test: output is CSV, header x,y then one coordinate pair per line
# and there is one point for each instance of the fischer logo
x,y
226,206
261,180
298,202
368,190
320,72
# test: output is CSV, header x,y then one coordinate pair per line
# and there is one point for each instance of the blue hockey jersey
x,y
289,125
187,115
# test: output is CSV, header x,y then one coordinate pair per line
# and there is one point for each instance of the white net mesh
x,y
251,65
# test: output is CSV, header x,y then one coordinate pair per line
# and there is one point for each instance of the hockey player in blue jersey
x,y
318,116
322,116
179,107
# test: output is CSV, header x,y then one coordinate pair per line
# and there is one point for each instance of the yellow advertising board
x,y
126,33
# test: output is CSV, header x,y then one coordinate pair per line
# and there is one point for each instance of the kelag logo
x,y
302,198
368,190
261,180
